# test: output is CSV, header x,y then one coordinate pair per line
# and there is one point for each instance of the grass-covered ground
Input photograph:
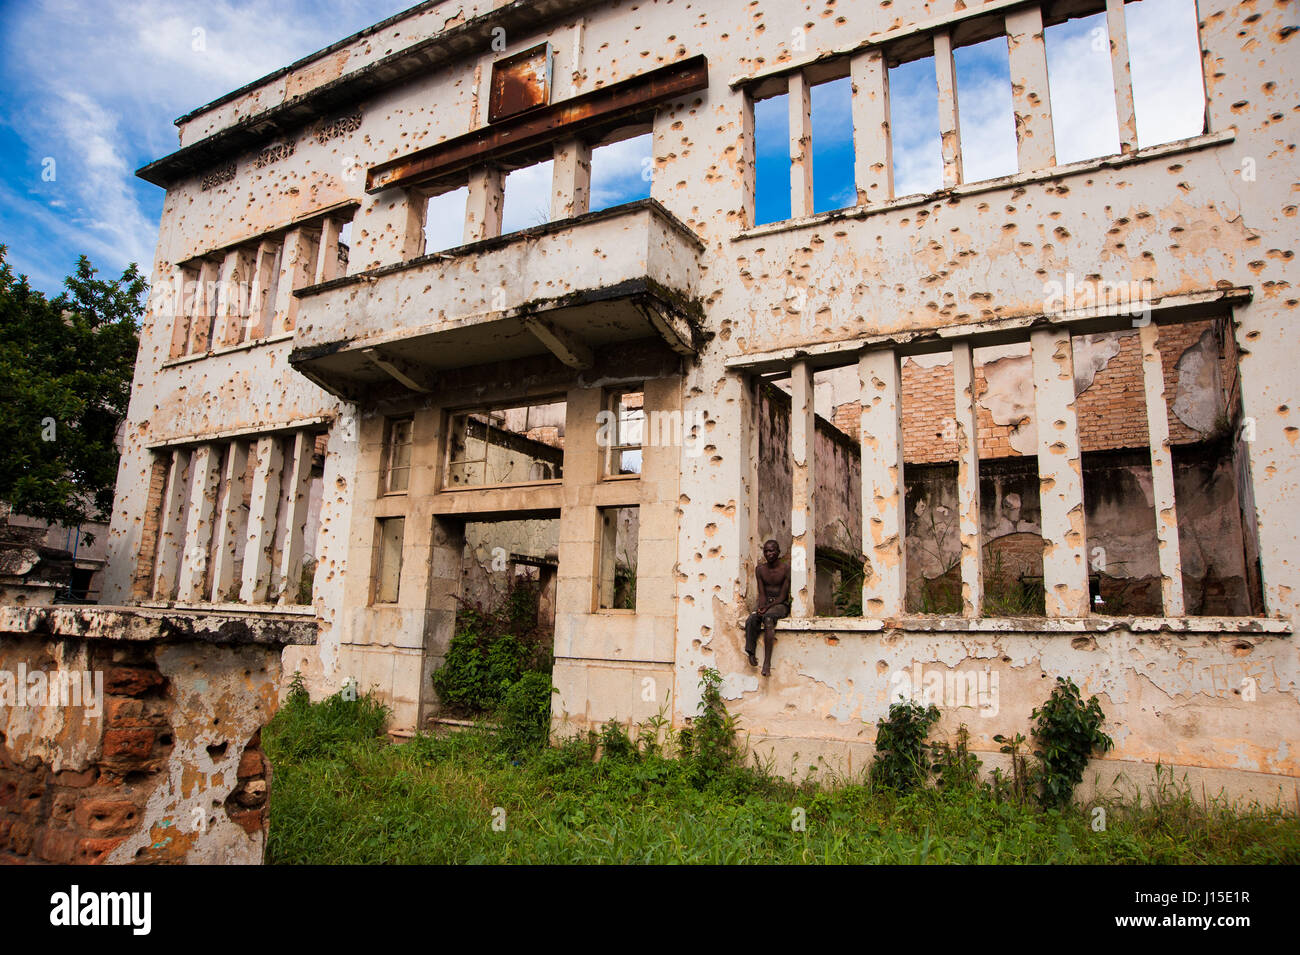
x,y
342,794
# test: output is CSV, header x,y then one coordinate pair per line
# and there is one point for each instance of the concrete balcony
x,y
567,288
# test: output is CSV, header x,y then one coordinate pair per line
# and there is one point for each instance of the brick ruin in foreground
x,y
1007,427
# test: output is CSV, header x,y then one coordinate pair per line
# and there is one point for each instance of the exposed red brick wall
x,y
142,580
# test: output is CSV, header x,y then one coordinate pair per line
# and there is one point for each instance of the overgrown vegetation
x,y
343,794
1069,732
902,760
491,650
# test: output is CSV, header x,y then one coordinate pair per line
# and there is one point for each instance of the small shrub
x,y
902,760
713,737
1016,788
615,743
524,719
955,766
305,730
1068,731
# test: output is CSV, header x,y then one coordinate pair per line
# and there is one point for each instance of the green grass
x,y
342,794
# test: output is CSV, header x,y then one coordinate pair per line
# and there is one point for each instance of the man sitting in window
x,y
773,604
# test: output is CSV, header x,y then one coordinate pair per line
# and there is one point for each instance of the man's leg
x,y
752,625
769,639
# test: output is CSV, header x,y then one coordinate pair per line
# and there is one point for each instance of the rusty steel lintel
x,y
598,109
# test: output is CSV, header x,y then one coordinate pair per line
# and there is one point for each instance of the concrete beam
x,y
803,485
205,469
295,520
256,585
1035,147
171,530
401,371
801,159
228,547
872,169
296,268
484,203
232,297
327,251
1123,77
1060,475
949,125
261,301
1169,553
564,345
884,583
968,480
203,307
570,179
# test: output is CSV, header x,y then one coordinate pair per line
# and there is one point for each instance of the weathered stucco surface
x,y
686,296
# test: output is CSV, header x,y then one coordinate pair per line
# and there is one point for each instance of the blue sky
x,y
91,90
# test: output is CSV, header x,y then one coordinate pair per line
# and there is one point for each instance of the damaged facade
x,y
976,468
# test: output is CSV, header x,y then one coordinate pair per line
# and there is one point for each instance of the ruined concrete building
x,y
1010,423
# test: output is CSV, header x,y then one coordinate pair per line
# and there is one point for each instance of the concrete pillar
x,y
230,525
178,315
884,584
1119,66
1060,474
803,484
299,489
801,160
327,251
171,532
1035,147
232,297
570,179
261,299
949,127
1162,473
297,270
873,170
256,585
202,308
748,184
205,469
484,203
968,480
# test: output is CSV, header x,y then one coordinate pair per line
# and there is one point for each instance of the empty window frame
x,y
1164,48
985,115
621,172
527,197
832,145
444,219
917,154
389,535
397,455
1081,86
617,558
772,159
625,433
511,445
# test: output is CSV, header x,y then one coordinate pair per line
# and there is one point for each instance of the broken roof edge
x,y
296,112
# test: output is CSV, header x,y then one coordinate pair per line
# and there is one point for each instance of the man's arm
x,y
762,590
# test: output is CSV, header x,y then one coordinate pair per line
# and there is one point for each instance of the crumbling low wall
x,y
131,736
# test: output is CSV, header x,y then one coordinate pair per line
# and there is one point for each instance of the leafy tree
x,y
65,380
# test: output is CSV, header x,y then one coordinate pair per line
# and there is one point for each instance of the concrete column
x,y
803,483
232,297
179,312
949,127
1060,474
171,532
229,528
205,469
1035,147
1162,472
1119,66
260,300
327,251
296,271
968,481
748,185
256,585
484,203
570,179
202,309
299,488
884,584
801,160
873,170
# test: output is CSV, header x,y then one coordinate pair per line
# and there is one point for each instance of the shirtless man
x,y
773,604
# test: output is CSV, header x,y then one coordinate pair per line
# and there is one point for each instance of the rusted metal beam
x,y
592,112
